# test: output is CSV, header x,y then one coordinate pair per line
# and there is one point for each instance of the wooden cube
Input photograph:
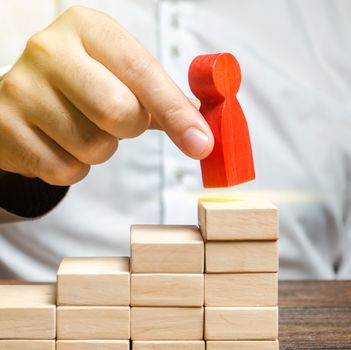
x,y
230,220
83,323
94,281
92,345
162,323
241,323
243,345
246,256
241,289
27,312
167,289
166,249
27,344
169,345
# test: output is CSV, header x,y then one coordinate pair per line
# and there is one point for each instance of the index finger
x,y
109,43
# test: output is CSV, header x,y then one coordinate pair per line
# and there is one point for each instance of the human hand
x,y
80,85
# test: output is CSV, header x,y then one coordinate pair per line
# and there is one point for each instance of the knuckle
x,y
138,67
78,13
38,47
108,33
75,10
12,85
172,116
111,111
141,123
68,172
98,147
122,116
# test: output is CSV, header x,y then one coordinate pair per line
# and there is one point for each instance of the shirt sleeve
x,y
27,198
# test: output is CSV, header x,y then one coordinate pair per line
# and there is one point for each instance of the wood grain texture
x,y
162,323
27,312
92,345
230,220
166,249
78,278
83,323
167,289
248,256
242,345
328,301
315,293
27,344
241,323
241,289
315,315
315,328
169,345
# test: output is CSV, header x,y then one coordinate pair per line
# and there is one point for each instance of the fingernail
x,y
195,141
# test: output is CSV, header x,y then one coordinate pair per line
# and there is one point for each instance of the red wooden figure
x,y
215,80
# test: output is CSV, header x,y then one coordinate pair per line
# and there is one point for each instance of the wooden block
x,y
27,312
92,345
230,220
167,289
243,345
169,345
241,323
166,249
248,256
94,281
162,323
83,323
27,344
241,289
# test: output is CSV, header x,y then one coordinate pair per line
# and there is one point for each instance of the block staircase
x,y
211,287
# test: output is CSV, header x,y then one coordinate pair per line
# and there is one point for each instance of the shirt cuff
x,y
27,198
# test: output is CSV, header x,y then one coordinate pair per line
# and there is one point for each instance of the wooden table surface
x,y
313,315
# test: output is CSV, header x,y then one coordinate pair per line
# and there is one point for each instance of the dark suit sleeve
x,y
27,198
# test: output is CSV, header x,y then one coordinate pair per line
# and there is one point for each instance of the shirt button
x,y
175,21
175,51
179,175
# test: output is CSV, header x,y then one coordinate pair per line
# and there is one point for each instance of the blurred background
x,y
296,90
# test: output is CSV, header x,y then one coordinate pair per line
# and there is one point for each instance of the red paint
x,y
215,80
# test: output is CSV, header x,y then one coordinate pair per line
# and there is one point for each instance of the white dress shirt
x,y
295,60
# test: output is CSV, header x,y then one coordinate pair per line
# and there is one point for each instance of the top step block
x,y
166,249
231,220
94,281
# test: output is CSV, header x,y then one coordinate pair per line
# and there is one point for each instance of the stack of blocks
x,y
93,298
241,282
167,299
190,288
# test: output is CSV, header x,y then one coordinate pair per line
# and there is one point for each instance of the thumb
x,y
192,135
